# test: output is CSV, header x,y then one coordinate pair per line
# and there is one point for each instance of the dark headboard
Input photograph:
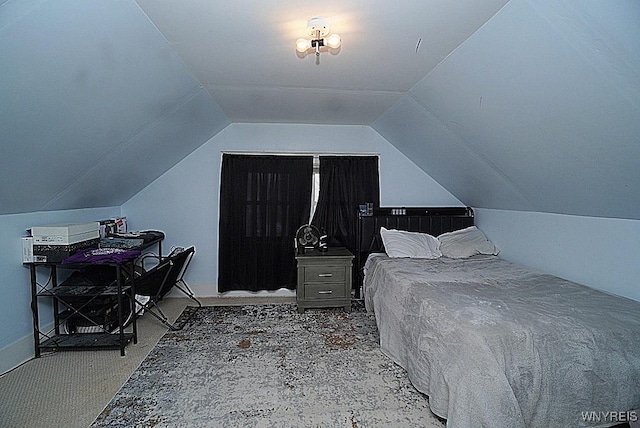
x,y
431,220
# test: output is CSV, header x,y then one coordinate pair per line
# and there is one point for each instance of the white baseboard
x,y
17,353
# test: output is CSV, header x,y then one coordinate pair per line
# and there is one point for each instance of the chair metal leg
x,y
187,291
161,316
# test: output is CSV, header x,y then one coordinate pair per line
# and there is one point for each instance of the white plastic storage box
x,y
52,244
27,249
65,234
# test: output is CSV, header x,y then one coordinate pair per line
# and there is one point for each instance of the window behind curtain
x,y
263,201
345,183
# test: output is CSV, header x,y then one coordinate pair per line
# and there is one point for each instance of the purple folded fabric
x,y
102,255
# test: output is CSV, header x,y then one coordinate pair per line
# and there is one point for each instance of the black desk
x,y
55,339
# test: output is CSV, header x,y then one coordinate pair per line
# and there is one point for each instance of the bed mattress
x,y
498,345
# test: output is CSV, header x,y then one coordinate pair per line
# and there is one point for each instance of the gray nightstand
x,y
324,279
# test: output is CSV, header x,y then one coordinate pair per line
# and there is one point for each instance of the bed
x,y
496,344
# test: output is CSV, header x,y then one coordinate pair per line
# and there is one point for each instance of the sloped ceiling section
x,y
95,104
539,110
243,52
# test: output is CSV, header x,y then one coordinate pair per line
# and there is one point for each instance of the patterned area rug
x,y
268,366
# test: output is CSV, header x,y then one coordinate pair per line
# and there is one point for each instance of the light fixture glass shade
x,y
333,41
302,45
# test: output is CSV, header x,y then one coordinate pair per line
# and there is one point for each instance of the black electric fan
x,y
309,237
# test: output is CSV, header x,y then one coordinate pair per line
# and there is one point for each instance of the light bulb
x,y
333,41
302,45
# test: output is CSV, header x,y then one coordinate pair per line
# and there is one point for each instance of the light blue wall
x,y
16,327
536,111
603,253
184,201
95,104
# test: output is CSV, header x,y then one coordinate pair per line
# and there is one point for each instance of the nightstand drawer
x,y
324,274
324,291
324,279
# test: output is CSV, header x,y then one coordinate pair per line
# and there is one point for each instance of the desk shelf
x,y
85,341
72,291
69,301
102,305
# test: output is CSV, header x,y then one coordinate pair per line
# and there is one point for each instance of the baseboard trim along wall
x,y
17,353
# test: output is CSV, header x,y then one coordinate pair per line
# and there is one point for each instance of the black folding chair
x,y
154,285
158,281
181,259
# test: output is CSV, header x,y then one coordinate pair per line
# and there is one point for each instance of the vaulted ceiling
x,y
521,104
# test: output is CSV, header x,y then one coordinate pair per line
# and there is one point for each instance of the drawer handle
x,y
325,275
325,292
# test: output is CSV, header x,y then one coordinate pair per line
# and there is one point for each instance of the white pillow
x,y
465,243
399,243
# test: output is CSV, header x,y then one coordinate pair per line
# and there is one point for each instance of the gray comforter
x,y
498,345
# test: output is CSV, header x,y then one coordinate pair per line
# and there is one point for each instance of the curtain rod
x,y
266,152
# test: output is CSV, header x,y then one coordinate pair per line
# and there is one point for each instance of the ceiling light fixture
x,y
318,28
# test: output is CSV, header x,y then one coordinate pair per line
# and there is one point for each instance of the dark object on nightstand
x,y
324,279
322,245
307,238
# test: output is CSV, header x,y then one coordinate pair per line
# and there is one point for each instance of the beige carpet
x,y
69,389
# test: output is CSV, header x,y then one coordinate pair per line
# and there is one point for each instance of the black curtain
x,y
263,201
345,183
